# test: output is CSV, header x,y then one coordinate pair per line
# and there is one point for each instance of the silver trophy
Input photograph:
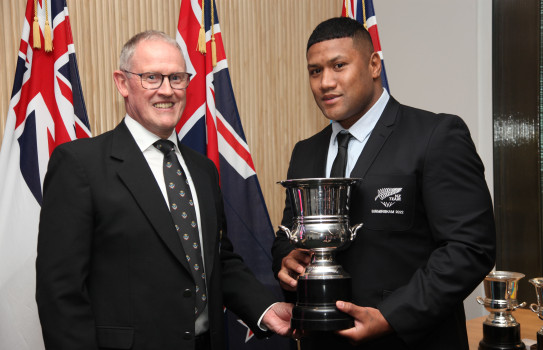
x,y
538,308
321,224
500,329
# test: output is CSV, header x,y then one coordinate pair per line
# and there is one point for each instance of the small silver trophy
x,y
538,308
321,224
500,329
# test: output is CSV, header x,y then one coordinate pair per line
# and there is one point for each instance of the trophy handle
x,y
354,230
289,235
523,304
534,307
480,301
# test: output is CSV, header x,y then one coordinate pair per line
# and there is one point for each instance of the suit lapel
x,y
321,150
378,137
135,173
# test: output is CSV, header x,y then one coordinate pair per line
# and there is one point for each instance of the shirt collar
x,y
143,137
363,126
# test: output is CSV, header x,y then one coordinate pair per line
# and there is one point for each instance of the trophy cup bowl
x,y
321,224
500,329
538,308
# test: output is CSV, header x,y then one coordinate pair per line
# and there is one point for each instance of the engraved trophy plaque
x,y
500,329
321,224
538,308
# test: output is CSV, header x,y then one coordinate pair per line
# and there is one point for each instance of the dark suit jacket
x,y
428,237
111,271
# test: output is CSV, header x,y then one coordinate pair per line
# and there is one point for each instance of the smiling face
x,y
156,110
344,76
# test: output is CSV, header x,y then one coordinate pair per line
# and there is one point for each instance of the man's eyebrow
x,y
331,60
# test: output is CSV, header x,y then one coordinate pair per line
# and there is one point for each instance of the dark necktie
x,y
184,218
340,163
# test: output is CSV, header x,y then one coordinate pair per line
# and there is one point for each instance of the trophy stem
x,y
321,256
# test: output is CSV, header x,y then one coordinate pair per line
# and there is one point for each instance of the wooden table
x,y
529,325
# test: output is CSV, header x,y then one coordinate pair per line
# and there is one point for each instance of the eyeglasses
x,y
153,81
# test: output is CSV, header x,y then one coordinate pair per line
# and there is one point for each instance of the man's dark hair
x,y
337,28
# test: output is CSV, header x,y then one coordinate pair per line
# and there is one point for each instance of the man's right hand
x,y
293,265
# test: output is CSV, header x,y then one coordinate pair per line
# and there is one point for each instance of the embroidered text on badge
x,y
388,197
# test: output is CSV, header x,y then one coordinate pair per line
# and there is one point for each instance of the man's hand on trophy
x,y
369,323
293,265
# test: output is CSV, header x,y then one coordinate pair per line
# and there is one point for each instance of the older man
x,y
132,248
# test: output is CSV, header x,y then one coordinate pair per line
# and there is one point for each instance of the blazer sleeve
x,y
64,249
460,216
281,246
242,292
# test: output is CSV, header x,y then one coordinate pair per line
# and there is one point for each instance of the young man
x,y
412,266
113,268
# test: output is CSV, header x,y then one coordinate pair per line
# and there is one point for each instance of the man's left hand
x,y
277,319
369,323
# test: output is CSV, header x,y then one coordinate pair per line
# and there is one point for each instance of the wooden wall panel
x,y
265,46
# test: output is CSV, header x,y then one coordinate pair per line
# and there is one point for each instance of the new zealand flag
x,y
211,124
363,12
46,109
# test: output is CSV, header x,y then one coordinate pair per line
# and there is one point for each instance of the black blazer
x,y
111,271
428,237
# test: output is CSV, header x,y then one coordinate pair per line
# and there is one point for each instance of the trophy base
x,y
539,345
320,319
316,309
501,338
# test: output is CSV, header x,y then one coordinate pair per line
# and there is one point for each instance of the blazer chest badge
x,y
388,197
386,202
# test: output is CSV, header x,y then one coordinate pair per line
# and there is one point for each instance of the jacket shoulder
x,y
427,116
317,139
85,145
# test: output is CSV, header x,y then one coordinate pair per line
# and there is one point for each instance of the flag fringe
x,y
36,28
213,45
364,14
202,34
47,37
47,31
202,41
36,33
213,51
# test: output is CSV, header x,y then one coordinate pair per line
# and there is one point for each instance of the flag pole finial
x,y
202,34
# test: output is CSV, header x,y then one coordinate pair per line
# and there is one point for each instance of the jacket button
x,y
187,293
187,336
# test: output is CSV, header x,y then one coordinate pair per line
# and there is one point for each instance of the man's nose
x,y
328,79
165,88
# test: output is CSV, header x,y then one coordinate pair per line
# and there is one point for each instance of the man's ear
x,y
121,80
375,65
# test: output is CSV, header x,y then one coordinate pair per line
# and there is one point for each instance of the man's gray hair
x,y
128,49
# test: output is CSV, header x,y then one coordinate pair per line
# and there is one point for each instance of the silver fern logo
x,y
389,196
